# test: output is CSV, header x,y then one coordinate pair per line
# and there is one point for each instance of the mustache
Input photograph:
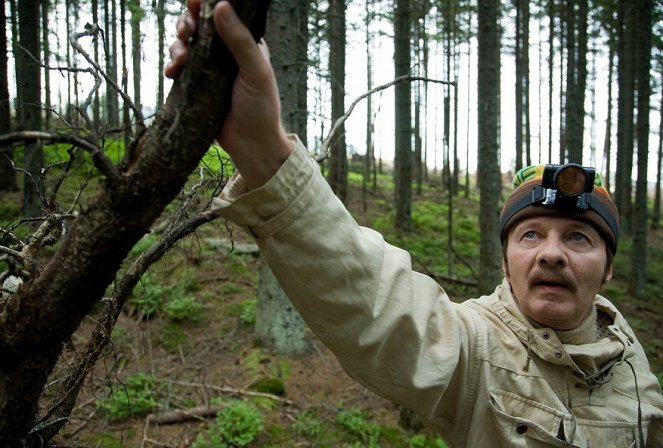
x,y
552,276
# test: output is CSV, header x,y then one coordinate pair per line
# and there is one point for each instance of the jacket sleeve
x,y
392,329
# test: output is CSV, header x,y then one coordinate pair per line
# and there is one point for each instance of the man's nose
x,y
551,252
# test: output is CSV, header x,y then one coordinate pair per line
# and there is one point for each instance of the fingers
x,y
186,27
179,50
252,58
178,55
194,8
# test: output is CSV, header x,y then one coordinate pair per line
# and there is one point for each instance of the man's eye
x,y
530,235
576,236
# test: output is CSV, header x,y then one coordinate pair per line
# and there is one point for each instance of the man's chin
x,y
553,314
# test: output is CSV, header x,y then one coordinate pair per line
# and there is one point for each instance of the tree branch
x,y
73,40
99,157
342,119
87,357
44,313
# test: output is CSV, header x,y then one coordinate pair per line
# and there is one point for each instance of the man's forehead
x,y
554,222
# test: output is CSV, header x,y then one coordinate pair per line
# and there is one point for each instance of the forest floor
x,y
208,356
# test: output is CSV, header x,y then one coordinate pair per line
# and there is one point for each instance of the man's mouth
x,y
547,281
550,284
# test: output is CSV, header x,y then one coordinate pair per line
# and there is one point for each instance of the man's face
x,y
555,267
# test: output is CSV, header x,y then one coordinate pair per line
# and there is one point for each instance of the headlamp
x,y
565,186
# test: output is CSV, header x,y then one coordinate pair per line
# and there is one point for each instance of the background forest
x,y
131,316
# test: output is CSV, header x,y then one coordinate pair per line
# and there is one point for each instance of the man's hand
x,y
252,133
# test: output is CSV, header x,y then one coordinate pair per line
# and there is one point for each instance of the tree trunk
x,y
96,118
338,161
642,59
526,111
563,154
45,7
468,111
110,25
656,211
551,70
161,36
417,129
30,101
369,162
7,173
625,106
523,150
278,324
136,17
126,117
489,173
519,84
403,158
46,310
576,75
607,143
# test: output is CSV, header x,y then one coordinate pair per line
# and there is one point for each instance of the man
x,y
543,361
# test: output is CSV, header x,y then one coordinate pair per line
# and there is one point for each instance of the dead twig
x,y
92,31
184,415
339,122
237,392
99,157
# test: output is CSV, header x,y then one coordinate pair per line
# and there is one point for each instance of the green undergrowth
x,y
193,315
429,241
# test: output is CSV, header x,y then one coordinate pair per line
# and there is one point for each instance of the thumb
x,y
237,38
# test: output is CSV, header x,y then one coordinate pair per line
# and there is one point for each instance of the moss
x,y
272,386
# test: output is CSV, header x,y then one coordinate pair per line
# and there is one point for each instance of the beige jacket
x,y
471,371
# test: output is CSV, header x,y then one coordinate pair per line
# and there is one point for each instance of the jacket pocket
x,y
523,423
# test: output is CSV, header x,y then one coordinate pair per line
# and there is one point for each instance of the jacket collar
x,y
588,360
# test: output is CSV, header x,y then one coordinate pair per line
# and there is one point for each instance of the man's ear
x,y
505,267
607,276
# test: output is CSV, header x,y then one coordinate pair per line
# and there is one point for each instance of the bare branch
x,y
44,315
13,253
234,391
86,358
99,157
342,119
73,40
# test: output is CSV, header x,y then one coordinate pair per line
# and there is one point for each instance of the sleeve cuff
x,y
264,210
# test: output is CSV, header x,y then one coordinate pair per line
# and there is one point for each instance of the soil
x,y
199,363
217,358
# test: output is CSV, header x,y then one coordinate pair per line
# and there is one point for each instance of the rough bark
x,y
625,107
656,211
48,308
46,49
30,100
7,173
642,54
576,75
278,324
110,51
489,167
136,17
161,36
403,157
338,161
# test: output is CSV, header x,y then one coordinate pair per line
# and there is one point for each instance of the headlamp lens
x,y
571,180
